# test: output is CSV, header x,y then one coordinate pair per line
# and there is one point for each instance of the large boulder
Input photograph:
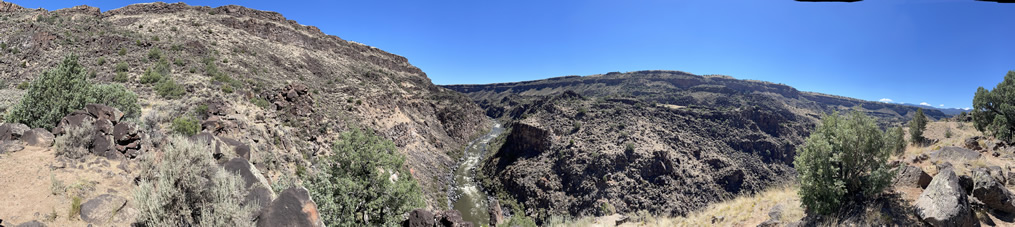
x,y
954,154
74,119
972,143
944,203
420,218
104,208
992,193
293,207
452,218
912,176
10,146
258,187
38,137
12,131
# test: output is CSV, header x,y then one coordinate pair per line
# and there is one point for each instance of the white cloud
x,y
888,100
925,104
942,105
967,108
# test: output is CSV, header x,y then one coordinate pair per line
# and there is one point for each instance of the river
x,y
472,201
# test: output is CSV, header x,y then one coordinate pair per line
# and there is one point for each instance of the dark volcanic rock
x,y
912,176
992,193
243,168
293,207
31,224
420,218
972,143
38,137
12,131
944,202
103,112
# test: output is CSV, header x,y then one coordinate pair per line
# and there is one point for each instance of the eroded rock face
x,y
10,7
420,218
954,154
992,193
111,138
293,207
944,202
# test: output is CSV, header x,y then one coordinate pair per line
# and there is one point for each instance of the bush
x,y
994,110
102,61
64,89
122,52
260,102
917,126
168,88
896,139
203,194
186,125
155,54
364,176
151,76
74,143
121,77
227,88
122,67
23,85
846,157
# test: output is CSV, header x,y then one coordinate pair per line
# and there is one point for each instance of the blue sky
x,y
913,51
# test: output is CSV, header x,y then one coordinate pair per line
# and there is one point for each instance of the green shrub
x,y
227,88
102,61
365,176
994,110
120,77
75,208
168,88
260,102
202,194
122,52
154,54
64,89
23,85
845,157
74,143
186,125
896,140
917,126
122,67
151,76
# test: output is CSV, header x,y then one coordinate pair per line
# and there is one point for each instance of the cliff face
x,y
316,85
661,141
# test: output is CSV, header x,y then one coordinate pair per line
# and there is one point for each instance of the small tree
x,y
916,127
993,110
364,182
844,158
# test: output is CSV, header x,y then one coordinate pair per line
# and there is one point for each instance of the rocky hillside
x,y
664,142
252,76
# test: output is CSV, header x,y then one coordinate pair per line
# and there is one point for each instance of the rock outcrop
x,y
105,209
992,193
944,202
912,176
111,138
954,154
38,137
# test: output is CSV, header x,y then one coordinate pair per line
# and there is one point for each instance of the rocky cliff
x,y
283,87
665,142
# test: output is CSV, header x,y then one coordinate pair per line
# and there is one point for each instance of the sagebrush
x,y
74,142
202,194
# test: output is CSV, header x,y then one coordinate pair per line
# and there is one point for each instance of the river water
x,y
472,201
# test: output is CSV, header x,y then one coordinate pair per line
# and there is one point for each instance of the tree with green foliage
x,y
64,89
994,110
846,157
364,182
917,126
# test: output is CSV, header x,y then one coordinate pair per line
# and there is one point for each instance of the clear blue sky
x,y
913,51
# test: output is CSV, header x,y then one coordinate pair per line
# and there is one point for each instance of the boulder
x,y
12,131
293,207
103,208
103,112
966,182
10,146
240,149
420,218
101,145
260,196
992,193
31,224
38,137
452,218
74,119
125,133
103,126
912,176
944,203
954,154
972,143
997,173
244,169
